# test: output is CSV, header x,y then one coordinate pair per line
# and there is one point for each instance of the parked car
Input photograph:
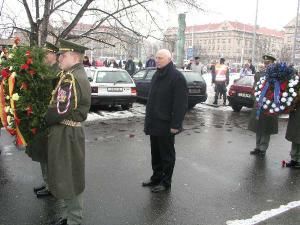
x,y
111,87
241,93
196,85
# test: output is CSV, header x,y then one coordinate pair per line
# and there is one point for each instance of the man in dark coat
x,y
150,62
293,135
165,110
69,106
130,66
37,149
265,125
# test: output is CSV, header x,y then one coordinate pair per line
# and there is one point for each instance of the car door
x,y
140,82
147,82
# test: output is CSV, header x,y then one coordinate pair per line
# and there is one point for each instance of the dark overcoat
x,y
167,101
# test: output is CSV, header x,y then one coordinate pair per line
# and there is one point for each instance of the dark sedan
x,y
196,85
241,93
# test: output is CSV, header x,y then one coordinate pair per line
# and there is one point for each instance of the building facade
x,y
232,40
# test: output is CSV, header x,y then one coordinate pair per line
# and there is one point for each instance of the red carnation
x,y
5,73
31,72
17,40
27,53
24,67
34,130
29,110
24,86
29,61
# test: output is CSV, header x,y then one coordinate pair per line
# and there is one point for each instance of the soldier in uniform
x,y
69,106
220,77
265,125
37,149
293,135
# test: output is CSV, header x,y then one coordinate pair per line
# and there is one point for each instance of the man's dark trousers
x,y
163,158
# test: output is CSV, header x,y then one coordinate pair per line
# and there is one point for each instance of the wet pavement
x,y
215,179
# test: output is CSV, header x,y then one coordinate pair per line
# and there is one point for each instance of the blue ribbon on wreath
x,y
274,73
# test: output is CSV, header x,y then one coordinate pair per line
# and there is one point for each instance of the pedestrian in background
x,y
220,78
130,66
245,71
165,110
151,62
251,66
196,65
86,61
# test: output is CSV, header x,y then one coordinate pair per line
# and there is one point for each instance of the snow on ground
x,y
138,110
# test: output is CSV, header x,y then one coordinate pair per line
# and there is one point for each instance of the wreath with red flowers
x,y
25,91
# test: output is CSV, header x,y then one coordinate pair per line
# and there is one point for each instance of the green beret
x,y
50,47
269,58
68,46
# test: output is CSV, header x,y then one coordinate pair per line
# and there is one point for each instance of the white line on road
x,y
265,215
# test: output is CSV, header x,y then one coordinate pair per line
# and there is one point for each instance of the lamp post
x,y
295,35
254,35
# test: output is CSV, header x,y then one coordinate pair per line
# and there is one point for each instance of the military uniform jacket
x,y
71,101
37,148
293,128
266,124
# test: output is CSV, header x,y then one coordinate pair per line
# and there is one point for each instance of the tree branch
x,y
76,19
91,38
32,24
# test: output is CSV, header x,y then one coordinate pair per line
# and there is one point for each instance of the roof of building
x,y
229,25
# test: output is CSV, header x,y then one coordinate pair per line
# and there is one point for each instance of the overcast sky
x,y
273,14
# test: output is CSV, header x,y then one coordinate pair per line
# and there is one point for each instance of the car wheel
x,y
236,108
126,107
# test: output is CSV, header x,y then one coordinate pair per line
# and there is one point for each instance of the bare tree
x,y
60,19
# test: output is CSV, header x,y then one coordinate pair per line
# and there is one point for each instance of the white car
x,y
111,87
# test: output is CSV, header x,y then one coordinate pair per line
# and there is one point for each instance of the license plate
x,y
244,95
194,90
114,89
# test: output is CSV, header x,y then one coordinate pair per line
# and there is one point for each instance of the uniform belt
x,y
71,123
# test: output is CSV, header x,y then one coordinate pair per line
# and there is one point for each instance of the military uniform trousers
x,y
163,158
72,209
295,152
262,141
44,168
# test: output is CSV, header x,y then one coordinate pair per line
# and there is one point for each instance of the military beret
x,y
269,58
68,46
50,47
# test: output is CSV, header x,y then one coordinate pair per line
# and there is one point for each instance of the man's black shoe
x,y
43,193
293,164
60,222
160,188
149,183
36,189
257,152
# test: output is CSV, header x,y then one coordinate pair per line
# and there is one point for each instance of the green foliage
x,y
33,84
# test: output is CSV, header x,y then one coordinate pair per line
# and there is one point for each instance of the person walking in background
x,y
165,110
220,78
151,62
196,65
140,65
130,66
86,61
245,70
251,66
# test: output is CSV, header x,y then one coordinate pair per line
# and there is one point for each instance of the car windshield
x,y
245,81
113,77
90,75
192,76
